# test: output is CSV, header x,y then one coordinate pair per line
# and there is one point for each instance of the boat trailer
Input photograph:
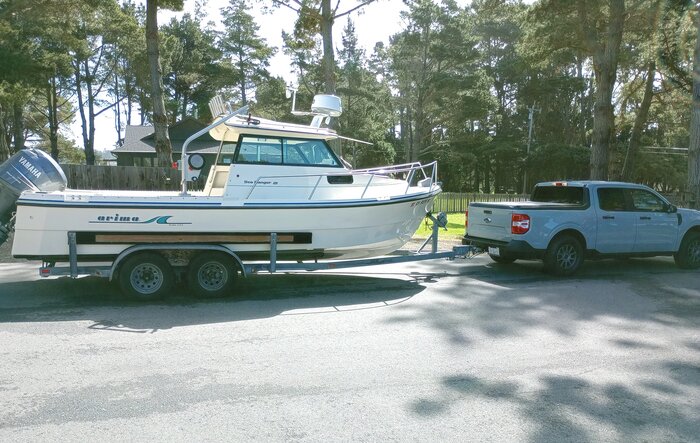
x,y
110,270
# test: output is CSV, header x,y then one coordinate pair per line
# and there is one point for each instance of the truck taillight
x,y
520,223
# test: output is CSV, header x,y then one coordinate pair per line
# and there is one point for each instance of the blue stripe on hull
x,y
249,205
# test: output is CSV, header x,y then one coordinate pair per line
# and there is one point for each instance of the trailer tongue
x,y
27,170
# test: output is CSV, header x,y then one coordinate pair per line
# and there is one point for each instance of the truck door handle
x,y
608,217
645,218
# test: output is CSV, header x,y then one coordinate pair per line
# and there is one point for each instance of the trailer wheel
x,y
564,256
688,255
146,276
212,275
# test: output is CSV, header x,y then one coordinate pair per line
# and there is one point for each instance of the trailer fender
x,y
176,246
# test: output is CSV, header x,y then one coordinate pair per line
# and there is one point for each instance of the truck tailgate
x,y
489,220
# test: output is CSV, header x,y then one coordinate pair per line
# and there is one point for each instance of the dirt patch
x,y
444,244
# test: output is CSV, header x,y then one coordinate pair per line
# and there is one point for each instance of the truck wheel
x,y
146,276
502,260
564,256
688,255
212,275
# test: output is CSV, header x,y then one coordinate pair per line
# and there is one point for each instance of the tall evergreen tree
x,y
595,28
249,53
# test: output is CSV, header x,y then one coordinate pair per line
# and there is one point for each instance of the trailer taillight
x,y
466,220
520,223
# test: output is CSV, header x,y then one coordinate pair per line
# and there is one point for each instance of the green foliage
x,y
367,106
191,68
455,85
556,161
247,52
68,151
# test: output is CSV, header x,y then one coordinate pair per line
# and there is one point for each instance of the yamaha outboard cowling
x,y
27,170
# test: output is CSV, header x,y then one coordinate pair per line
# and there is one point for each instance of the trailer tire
x,y
564,256
212,275
146,276
688,255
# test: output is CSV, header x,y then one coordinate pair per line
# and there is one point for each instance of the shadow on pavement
x,y
571,408
98,300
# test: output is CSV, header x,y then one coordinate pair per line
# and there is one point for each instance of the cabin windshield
x,y
278,151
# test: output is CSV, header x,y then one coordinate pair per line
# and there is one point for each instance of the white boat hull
x,y
107,225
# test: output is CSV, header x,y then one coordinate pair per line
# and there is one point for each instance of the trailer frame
x,y
272,265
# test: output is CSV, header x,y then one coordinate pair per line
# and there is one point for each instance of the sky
x,y
374,22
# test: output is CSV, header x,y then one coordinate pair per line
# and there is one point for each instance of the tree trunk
x,y
52,99
605,58
581,100
90,145
81,106
4,148
694,145
640,120
117,110
160,118
328,50
18,125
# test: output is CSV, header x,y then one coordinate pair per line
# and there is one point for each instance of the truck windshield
x,y
559,194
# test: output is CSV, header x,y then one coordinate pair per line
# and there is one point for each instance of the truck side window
x,y
611,199
646,201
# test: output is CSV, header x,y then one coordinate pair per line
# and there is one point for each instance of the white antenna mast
x,y
323,107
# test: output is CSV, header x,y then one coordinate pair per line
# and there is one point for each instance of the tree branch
x,y
106,108
283,3
366,2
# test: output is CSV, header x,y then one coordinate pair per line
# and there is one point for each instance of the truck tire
x,y
146,276
502,260
564,256
688,255
212,275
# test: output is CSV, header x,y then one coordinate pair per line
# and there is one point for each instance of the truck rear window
x,y
559,194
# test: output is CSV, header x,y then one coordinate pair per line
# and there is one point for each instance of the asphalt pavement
x,y
431,351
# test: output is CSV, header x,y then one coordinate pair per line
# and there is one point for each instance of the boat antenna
x,y
323,107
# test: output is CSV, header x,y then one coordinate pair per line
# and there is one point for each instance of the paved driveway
x,y
463,351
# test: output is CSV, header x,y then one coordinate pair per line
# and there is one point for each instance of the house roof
x,y
140,139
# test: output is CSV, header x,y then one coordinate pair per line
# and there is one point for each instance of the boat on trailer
x,y
268,178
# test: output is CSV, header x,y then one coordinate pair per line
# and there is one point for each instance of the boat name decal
x,y
29,167
259,182
116,218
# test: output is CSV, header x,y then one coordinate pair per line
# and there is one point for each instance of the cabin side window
x,y
226,153
260,150
308,152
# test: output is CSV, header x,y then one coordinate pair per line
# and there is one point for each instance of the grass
x,y
455,227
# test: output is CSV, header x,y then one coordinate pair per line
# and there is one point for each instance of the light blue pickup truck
x,y
565,222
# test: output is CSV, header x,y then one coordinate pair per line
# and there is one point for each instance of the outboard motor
x,y
27,170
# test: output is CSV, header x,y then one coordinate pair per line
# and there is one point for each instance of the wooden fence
x,y
451,202
122,177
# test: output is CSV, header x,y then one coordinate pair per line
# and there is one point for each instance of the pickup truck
x,y
565,222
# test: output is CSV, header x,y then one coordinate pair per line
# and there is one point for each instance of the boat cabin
x,y
258,154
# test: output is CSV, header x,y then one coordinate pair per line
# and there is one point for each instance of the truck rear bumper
x,y
518,249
